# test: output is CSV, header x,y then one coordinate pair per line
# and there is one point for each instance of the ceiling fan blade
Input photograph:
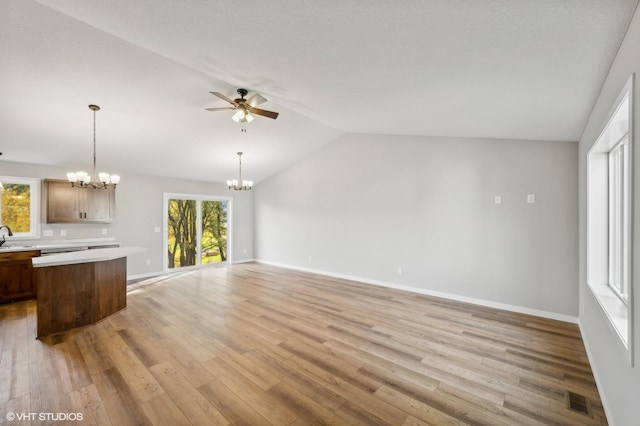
x,y
256,100
219,109
221,96
264,113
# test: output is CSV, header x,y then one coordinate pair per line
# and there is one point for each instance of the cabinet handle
x,y
85,215
80,215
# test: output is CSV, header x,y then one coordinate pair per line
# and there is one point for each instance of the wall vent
x,y
577,402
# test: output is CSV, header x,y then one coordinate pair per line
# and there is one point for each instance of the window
x,y
196,229
619,220
609,181
19,205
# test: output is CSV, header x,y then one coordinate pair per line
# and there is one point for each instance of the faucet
x,y
4,236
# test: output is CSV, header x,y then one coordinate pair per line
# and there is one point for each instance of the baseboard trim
x,y
450,296
596,376
143,276
187,269
159,274
235,262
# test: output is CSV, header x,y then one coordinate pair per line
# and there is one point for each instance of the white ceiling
x,y
485,68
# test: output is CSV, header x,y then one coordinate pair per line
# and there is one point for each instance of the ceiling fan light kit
x,y
83,179
244,109
242,116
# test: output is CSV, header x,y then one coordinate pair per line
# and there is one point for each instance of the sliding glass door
x,y
196,230
213,240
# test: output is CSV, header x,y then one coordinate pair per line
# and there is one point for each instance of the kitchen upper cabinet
x,y
16,275
66,204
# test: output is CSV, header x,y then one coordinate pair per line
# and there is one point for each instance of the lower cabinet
x,y
78,294
16,276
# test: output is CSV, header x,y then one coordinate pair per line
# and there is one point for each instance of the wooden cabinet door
x,y
16,276
99,205
63,202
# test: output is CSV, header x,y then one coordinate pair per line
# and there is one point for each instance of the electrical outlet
x,y
148,262
63,232
497,199
399,270
531,198
156,229
244,251
47,233
104,231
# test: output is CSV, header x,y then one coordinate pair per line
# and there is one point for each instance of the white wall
x,y
618,382
366,205
139,208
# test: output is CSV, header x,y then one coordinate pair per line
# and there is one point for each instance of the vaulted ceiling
x,y
484,68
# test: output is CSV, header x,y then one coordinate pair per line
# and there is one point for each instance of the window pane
x,y
626,228
16,207
182,238
214,232
618,220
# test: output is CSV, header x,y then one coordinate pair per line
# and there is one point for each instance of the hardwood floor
x,y
253,344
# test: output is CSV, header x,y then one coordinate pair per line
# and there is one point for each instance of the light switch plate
x,y
47,233
497,199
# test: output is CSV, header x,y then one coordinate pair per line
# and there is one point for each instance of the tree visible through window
x,y
182,242
196,232
214,231
16,207
19,205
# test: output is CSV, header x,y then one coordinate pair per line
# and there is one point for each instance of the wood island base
x,y
74,295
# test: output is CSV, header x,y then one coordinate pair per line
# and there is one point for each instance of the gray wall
x,y
139,209
619,383
364,206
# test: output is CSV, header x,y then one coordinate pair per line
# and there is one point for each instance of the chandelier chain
x,y
94,142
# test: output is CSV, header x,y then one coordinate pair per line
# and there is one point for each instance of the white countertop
x,y
14,246
85,256
13,249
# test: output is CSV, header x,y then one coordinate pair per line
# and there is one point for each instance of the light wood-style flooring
x,y
258,345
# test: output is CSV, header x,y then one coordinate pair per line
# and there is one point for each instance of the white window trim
x,y
199,198
618,313
618,271
34,228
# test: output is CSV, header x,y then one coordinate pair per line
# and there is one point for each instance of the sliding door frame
x,y
199,198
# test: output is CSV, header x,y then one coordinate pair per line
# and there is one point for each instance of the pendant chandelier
x,y
82,179
239,184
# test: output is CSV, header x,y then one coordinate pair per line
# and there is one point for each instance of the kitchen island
x,y
16,270
80,288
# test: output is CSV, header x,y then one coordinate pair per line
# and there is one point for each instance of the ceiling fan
x,y
245,108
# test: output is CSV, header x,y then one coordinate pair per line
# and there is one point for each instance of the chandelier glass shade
x,y
242,116
82,179
240,184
